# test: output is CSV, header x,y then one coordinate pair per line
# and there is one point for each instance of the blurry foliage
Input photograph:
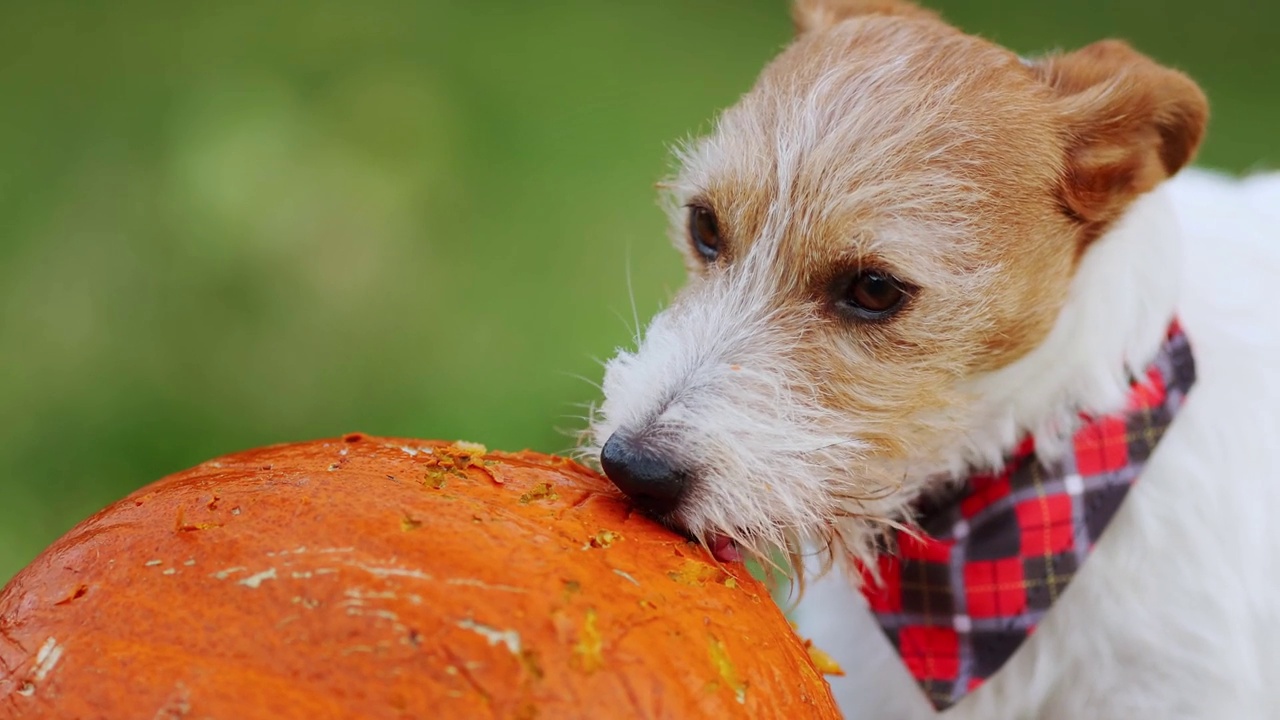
x,y
228,224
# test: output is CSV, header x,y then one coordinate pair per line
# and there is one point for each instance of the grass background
x,y
230,224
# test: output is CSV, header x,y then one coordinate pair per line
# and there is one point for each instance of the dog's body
x,y
909,249
1177,612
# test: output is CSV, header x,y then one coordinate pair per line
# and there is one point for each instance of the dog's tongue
x,y
724,548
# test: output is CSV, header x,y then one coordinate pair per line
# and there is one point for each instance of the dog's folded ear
x,y
810,15
1131,122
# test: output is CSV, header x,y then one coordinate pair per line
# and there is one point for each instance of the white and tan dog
x,y
909,250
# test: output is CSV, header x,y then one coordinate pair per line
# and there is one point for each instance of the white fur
x,y
1107,327
717,357
1176,614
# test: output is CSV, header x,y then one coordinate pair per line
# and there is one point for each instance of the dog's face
x,y
895,211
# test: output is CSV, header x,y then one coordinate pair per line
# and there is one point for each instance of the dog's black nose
x,y
652,481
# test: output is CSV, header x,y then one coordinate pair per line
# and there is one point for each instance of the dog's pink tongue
x,y
725,549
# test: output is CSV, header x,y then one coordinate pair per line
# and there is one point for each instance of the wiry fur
x,y
1029,204
720,358
779,169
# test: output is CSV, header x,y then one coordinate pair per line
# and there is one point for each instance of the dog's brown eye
x,y
873,295
704,232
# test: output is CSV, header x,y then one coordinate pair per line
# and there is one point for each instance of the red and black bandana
x,y
958,600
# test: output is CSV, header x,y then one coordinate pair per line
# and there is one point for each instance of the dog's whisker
x,y
636,328
583,378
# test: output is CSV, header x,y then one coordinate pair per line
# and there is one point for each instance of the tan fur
x,y
884,138
812,15
1088,130
1132,124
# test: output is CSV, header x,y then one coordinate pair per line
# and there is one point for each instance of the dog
x,y
926,272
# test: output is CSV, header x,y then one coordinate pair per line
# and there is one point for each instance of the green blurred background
x,y
230,224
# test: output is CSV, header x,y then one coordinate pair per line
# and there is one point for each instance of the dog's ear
x,y
810,15
1131,124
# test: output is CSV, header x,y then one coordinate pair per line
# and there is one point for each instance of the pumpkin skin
x,y
387,578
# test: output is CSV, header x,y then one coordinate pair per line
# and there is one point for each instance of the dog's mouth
x,y
724,548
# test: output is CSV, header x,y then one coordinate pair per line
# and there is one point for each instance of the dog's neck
x,y
1087,407
1117,313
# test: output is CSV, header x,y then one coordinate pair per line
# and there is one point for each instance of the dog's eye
x,y
872,295
704,232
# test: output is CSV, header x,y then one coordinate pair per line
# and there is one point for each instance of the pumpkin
x,y
385,578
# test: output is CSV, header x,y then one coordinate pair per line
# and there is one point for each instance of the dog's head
x,y
893,213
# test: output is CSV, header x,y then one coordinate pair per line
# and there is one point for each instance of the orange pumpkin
x,y
380,578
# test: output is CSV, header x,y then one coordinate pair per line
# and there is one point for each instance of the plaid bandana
x,y
994,555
